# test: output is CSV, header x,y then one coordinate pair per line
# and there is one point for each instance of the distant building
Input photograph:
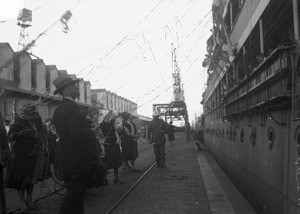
x,y
24,80
112,101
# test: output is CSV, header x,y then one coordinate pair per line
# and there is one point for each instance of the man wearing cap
x,y
156,135
77,149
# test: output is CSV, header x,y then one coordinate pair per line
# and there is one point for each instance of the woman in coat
x,y
129,142
112,129
27,163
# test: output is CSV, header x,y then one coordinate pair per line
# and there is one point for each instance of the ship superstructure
x,y
251,103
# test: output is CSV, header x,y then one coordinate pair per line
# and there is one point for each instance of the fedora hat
x,y
63,80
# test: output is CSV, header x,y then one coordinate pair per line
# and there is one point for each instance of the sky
x,y
124,46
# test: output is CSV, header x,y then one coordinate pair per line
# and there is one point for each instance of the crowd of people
x,y
75,146
71,146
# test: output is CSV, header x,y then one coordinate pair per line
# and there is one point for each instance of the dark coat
x,y
171,130
27,165
156,131
113,157
3,156
3,140
77,146
129,144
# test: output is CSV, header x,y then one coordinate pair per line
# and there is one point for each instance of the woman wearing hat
x,y
129,142
93,118
24,169
112,129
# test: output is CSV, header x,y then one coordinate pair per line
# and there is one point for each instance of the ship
x,y
251,104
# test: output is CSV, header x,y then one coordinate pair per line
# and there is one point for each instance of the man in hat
x,y
156,135
77,151
171,130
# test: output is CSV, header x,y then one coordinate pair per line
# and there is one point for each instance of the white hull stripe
x,y
218,200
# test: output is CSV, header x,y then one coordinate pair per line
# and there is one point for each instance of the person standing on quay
x,y
188,131
129,142
27,166
171,130
156,135
77,151
4,155
112,128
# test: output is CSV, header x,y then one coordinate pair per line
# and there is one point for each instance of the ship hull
x,y
264,172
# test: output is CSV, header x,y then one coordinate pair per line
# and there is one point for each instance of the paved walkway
x,y
192,183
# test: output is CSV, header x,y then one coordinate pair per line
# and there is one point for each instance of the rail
x,y
134,185
59,188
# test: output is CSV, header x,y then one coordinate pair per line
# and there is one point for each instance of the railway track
x,y
115,205
60,190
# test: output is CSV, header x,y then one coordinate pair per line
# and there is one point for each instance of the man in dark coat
x,y
4,156
77,148
156,135
188,131
171,130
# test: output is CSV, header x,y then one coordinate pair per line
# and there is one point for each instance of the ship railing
x,y
270,83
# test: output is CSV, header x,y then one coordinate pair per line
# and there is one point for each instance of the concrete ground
x,y
191,183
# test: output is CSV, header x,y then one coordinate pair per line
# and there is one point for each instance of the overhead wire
x,y
158,96
160,85
124,37
185,71
191,50
65,15
44,5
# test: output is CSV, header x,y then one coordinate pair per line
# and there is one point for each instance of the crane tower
x,y
24,21
178,94
176,110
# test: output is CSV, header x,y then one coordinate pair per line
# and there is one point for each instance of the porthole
x,y
242,136
271,137
234,134
253,136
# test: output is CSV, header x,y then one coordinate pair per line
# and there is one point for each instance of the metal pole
x,y
14,109
261,34
296,19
